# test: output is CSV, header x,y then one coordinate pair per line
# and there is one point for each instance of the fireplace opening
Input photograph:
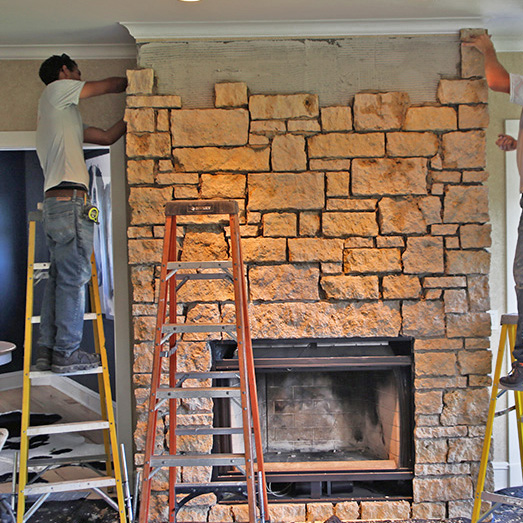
x,y
336,415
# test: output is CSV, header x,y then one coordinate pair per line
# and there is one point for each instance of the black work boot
x,y
514,380
44,356
78,360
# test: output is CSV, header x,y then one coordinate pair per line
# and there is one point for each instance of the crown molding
x,y
151,31
508,43
78,51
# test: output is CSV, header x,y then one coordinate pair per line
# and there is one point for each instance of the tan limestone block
x,y
455,301
385,510
142,280
177,178
442,489
295,320
371,261
429,510
203,245
161,101
139,232
336,118
401,217
189,513
475,236
437,344
148,144
275,191
207,127
436,162
329,165
386,242
223,186
453,177
388,176
143,357
357,242
282,106
462,92
143,328
283,512
444,229
433,294
309,223
145,250
344,287
319,511
288,153
412,144
264,249
463,150
211,159
140,81
423,254
465,449
401,286
140,120
283,282
338,184
303,126
466,204
140,171
444,282
472,60
468,262
430,118
315,249
347,510
373,111
342,224
268,127
437,189
465,407
162,120
147,204
220,514
230,94
351,204
241,513
206,291
475,176
479,295
185,193
473,116
463,508
477,343
472,324
475,362
331,268
258,140
279,224
346,145
423,318
435,363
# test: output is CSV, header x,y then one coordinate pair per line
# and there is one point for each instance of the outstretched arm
x,y
497,76
115,84
108,137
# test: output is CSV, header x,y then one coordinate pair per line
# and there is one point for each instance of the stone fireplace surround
x,y
368,219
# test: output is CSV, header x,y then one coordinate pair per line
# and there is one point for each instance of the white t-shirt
x,y
60,134
516,96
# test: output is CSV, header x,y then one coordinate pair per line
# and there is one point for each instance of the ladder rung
x,y
217,374
67,486
60,462
197,460
199,392
41,266
499,498
88,316
35,374
204,430
59,428
176,266
198,327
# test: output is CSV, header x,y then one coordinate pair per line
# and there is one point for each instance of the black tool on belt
x,y
91,212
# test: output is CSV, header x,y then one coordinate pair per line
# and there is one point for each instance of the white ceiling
x,y
32,27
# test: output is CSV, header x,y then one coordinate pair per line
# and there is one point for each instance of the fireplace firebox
x,y
336,414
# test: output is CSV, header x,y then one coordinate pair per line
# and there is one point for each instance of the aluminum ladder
x,y
173,275
37,272
508,333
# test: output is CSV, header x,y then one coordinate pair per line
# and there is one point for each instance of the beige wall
x,y
21,87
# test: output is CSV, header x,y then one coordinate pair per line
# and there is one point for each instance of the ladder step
x,y
172,328
59,428
35,374
87,316
499,498
205,430
199,392
67,486
197,460
214,374
176,266
60,462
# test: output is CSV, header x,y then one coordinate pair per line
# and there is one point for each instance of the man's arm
x,y
497,76
115,84
101,137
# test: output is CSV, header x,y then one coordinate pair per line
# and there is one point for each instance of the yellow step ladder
x,y
161,451
112,478
508,333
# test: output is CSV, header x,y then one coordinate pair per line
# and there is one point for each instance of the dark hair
x,y
50,69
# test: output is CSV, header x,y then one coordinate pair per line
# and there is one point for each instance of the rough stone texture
x,y
436,489
264,249
336,118
309,224
283,513
220,514
343,287
303,191
347,510
388,176
266,107
288,153
303,126
164,101
455,301
468,262
472,61
338,184
473,116
319,511
464,449
385,510
412,144
435,364
346,145
422,255
373,111
429,510
342,224
315,249
423,318
268,128
280,224
479,296
401,286
230,94
464,150
140,120
147,204
465,407
329,165
430,118
408,216
154,145
473,324
462,92
140,171
223,186
475,236
204,127
140,81
359,261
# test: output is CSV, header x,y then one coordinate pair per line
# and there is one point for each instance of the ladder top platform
x,y
509,319
193,207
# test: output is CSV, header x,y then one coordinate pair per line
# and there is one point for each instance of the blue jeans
x,y
69,236
518,278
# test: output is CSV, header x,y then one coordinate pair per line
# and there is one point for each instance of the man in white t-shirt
x,y
68,222
500,80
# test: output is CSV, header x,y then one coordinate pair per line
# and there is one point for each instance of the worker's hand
x,y
482,43
506,142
